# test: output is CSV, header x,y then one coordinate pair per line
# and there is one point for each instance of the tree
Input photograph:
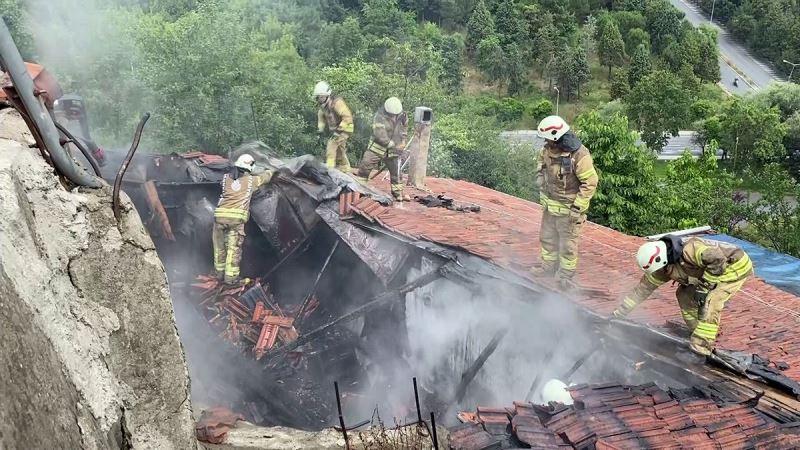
x,y
509,25
660,106
610,46
625,197
753,135
479,27
707,66
640,65
333,48
12,12
383,18
491,59
663,22
544,45
452,76
634,38
515,70
619,84
775,218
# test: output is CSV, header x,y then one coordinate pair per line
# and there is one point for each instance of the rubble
x,y
616,417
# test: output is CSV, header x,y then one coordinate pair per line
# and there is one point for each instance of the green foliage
x,y
640,65
516,72
775,217
752,135
509,25
659,105
610,46
663,22
619,84
571,70
452,76
479,27
13,13
627,188
539,109
340,42
491,58
383,18
635,38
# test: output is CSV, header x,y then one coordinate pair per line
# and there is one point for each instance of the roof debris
x,y
616,417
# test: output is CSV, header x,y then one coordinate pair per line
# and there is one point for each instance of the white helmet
x,y
556,391
552,128
652,256
393,105
321,88
245,162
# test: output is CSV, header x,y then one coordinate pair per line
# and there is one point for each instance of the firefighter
x,y
387,144
708,272
567,180
335,116
230,217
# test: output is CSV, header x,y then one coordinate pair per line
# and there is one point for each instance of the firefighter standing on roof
x,y
334,116
708,272
389,131
567,180
231,215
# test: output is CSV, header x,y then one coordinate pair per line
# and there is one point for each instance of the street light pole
x,y
791,71
558,97
712,11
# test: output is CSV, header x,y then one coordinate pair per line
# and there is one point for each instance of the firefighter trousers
x,y
336,152
558,236
371,161
704,322
227,238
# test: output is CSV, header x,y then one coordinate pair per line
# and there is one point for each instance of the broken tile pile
x,y
246,315
618,417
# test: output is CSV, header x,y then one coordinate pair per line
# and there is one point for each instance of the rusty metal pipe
x,y
122,168
416,400
23,84
80,146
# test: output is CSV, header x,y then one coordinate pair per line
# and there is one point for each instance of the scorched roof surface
x,y
759,319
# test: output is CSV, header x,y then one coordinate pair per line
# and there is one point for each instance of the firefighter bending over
x,y
567,180
387,144
708,273
335,116
230,217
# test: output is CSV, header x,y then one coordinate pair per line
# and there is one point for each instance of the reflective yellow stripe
x,y
581,203
361,179
568,263
583,176
397,187
706,330
698,254
230,269
733,272
549,256
554,207
653,280
689,315
629,303
230,213
347,127
378,125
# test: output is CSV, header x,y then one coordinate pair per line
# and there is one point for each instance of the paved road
x,y
760,73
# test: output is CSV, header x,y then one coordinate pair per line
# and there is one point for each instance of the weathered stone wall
x,y
90,356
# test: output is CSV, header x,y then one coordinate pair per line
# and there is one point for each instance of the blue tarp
x,y
777,269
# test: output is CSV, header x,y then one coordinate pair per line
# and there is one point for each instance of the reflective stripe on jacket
x,y
388,133
336,116
565,179
234,202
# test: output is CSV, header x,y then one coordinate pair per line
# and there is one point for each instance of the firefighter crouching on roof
x,y
387,143
335,116
708,273
567,180
230,217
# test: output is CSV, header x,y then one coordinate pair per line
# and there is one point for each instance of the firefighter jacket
x,y
566,176
234,202
388,133
335,116
694,262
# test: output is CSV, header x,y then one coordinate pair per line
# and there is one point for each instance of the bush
x,y
539,109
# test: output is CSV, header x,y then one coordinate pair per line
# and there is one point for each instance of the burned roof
x,y
616,417
761,319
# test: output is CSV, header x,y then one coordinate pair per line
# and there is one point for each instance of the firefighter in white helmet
x,y
389,132
567,180
708,273
231,215
335,117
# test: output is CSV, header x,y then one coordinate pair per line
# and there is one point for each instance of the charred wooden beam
x,y
473,370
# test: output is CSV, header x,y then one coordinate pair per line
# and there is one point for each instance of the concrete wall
x,y
90,356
